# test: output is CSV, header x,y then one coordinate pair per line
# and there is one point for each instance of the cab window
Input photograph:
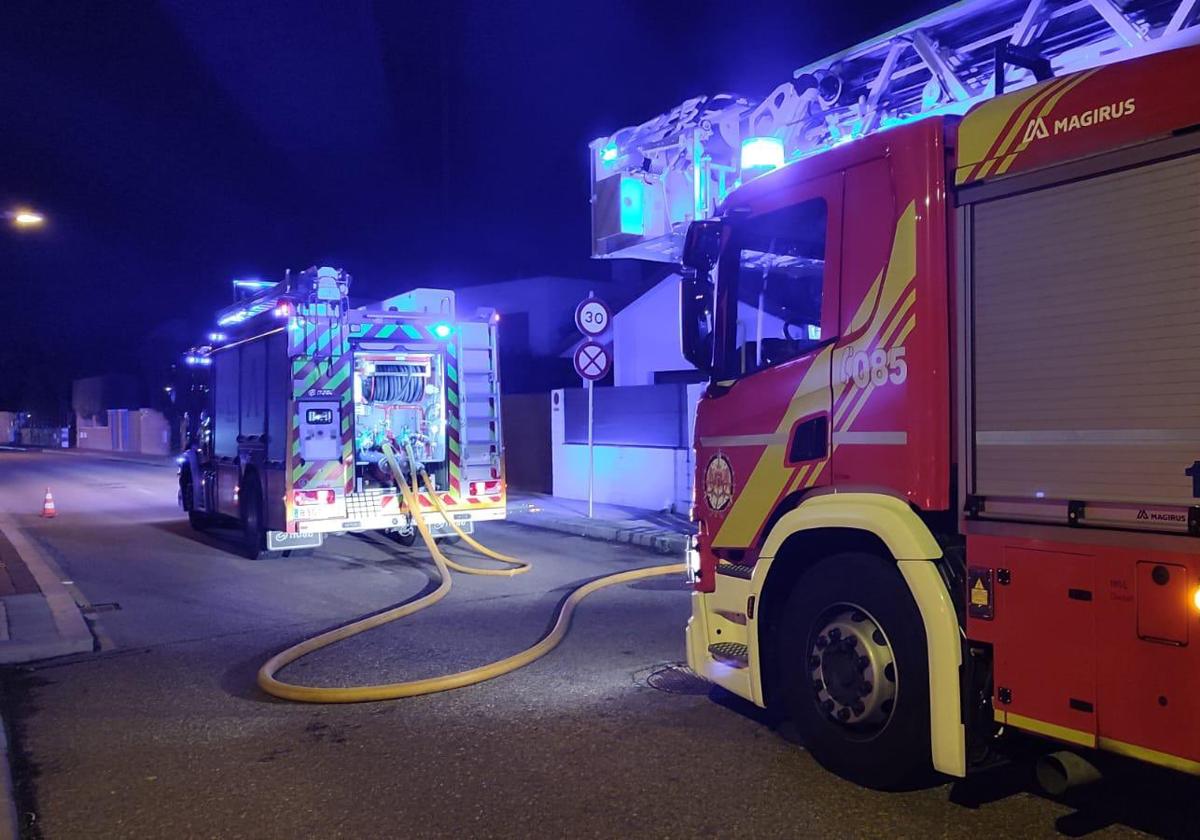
x,y
779,278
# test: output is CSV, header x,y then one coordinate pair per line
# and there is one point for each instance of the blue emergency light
x,y
762,153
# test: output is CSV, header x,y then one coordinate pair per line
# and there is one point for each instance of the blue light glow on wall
x,y
633,205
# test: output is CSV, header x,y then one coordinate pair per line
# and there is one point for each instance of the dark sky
x,y
176,144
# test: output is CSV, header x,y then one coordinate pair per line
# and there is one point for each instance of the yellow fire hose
x,y
412,688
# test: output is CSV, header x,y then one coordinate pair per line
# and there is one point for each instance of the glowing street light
x,y
26,218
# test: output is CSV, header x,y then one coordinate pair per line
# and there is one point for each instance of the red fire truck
x,y
304,392
948,461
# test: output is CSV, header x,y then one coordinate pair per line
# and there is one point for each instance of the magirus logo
x,y
1161,516
1037,128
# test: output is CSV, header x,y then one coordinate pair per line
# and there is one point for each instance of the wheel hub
x,y
853,669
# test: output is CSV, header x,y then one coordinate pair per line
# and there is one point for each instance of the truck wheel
x,y
405,538
254,535
199,520
854,671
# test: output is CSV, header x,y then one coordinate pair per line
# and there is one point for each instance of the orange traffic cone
x,y
48,511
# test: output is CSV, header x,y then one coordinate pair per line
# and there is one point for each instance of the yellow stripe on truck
x,y
1046,108
1050,730
771,475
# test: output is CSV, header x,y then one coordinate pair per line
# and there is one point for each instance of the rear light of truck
x,y
484,488
313,497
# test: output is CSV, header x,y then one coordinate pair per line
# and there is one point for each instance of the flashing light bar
x,y
763,153
193,359
442,330
254,284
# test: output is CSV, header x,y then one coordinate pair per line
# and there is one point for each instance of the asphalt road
x,y
163,733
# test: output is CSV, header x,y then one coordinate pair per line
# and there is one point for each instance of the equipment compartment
x,y
1086,376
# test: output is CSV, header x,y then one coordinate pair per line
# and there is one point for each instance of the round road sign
x,y
592,317
592,361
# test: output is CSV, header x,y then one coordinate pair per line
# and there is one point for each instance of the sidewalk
x,y
39,618
666,533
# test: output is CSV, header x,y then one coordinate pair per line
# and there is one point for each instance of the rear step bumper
x,y
399,520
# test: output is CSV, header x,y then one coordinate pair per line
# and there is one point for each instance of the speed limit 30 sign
x,y
592,317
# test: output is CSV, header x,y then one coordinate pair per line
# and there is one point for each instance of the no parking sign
x,y
592,361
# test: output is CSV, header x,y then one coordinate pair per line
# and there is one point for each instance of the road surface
x,y
163,733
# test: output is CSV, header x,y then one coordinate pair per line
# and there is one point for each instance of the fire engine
x,y
305,393
948,459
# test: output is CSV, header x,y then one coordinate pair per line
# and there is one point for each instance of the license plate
x,y
439,527
283,541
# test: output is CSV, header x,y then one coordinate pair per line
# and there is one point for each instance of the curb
x,y
662,542
74,635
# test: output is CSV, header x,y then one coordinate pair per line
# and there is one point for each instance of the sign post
x,y
591,447
592,362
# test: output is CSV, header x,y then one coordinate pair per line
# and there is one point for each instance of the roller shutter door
x,y
1087,338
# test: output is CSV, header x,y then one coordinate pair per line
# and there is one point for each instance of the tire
x,y
254,534
199,520
854,671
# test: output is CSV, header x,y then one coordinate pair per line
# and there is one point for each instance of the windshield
x,y
779,279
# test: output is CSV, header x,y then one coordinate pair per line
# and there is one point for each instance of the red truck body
x,y
973,403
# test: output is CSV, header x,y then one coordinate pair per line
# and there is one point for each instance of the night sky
x,y
174,145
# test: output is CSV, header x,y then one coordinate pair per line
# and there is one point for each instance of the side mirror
x,y
701,249
702,245
696,322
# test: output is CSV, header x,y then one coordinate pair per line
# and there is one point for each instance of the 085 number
x,y
879,367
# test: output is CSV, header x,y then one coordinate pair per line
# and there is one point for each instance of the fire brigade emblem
x,y
718,483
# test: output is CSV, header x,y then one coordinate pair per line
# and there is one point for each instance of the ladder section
x,y
482,446
649,181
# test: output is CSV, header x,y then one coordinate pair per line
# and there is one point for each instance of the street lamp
x,y
25,218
